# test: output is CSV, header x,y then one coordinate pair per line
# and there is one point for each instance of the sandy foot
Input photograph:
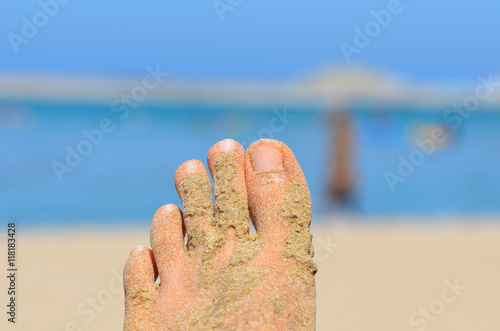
x,y
222,277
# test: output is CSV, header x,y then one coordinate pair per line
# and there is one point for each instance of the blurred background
x,y
391,107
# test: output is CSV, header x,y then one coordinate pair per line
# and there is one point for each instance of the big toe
x,y
279,200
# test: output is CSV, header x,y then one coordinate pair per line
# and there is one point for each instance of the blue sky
x,y
426,41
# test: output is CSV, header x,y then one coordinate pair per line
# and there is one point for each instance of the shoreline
x,y
120,228
332,88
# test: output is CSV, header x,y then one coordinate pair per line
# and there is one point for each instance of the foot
x,y
222,277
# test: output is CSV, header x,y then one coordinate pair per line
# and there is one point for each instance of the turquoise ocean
x,y
123,175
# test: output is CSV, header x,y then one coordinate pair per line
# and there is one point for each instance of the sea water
x,y
125,175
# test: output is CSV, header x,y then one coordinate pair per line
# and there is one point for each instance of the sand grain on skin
x,y
237,278
297,209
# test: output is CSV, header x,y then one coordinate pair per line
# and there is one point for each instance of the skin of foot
x,y
212,273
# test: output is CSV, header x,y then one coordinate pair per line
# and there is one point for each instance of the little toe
x,y
226,161
139,276
167,241
195,190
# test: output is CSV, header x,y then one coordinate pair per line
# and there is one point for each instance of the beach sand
x,y
371,277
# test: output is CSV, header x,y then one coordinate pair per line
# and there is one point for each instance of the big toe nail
x,y
267,156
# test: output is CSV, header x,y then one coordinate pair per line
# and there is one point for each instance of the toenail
x,y
166,209
225,145
267,157
137,249
191,166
